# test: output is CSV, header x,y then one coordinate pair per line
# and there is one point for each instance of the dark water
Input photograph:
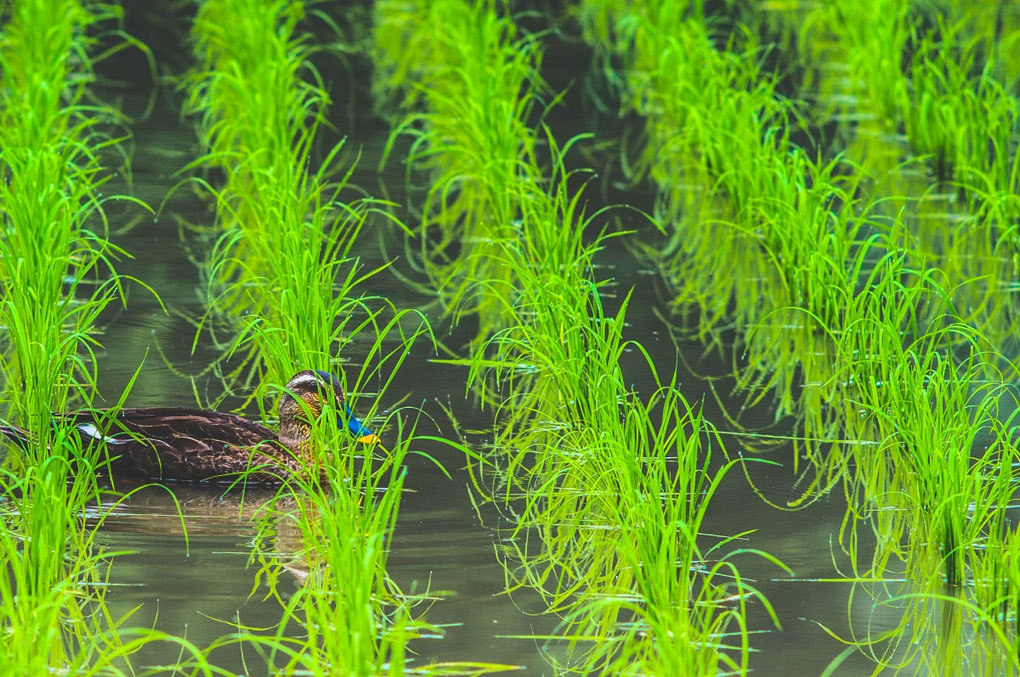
x,y
196,589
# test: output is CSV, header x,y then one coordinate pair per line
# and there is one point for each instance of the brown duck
x,y
176,443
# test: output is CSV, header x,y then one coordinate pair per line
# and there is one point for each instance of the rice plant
x,y
262,105
477,82
546,351
286,260
584,456
997,27
355,620
56,277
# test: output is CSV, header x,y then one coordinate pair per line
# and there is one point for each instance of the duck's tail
x,y
16,435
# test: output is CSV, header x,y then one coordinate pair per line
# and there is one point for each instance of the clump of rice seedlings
x,y
930,415
718,145
476,83
49,174
933,465
930,431
553,352
590,458
996,571
49,258
56,277
619,513
614,490
356,619
287,261
966,122
346,520
889,376
287,234
996,25
958,113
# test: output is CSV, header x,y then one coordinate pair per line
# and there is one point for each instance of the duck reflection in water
x,y
176,443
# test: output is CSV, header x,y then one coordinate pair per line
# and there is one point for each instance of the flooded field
x,y
708,380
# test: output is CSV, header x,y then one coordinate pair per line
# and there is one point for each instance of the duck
x,y
197,445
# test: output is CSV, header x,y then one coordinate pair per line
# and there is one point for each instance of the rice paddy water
x,y
828,196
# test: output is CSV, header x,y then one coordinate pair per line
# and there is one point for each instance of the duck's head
x,y
313,389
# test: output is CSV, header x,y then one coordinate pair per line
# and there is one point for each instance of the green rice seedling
x,y
941,475
997,584
52,596
715,142
614,29
56,277
306,282
553,352
714,121
478,83
586,459
617,505
45,562
925,411
967,123
816,243
997,27
50,184
260,119
777,207
992,231
958,113
288,262
621,561
286,256
398,43
357,621
346,527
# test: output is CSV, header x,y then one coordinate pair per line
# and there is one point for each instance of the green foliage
x,y
584,456
56,277
283,269
478,84
875,317
284,253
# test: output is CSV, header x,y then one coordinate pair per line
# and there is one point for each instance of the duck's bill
x,y
360,431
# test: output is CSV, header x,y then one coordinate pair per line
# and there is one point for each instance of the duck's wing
x,y
173,442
